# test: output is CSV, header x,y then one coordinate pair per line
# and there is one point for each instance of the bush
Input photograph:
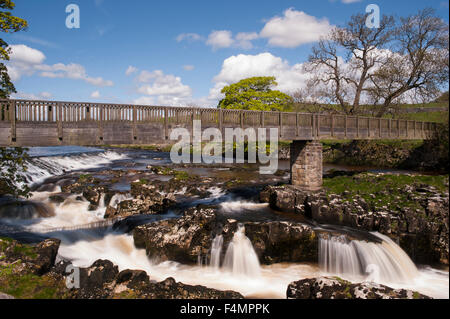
x,y
12,164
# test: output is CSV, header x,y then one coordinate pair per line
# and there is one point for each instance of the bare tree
x,y
342,80
418,65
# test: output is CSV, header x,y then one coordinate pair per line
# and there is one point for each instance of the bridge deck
x,y
47,123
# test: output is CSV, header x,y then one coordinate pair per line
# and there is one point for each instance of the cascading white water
x,y
216,250
43,167
383,262
117,198
241,258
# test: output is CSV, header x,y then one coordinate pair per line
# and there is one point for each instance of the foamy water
x,y
44,167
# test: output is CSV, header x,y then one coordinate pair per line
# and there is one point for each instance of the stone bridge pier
x,y
306,164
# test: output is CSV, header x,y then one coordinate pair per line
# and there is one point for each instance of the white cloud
x,y
189,37
25,61
162,89
32,96
130,70
220,39
294,28
71,71
24,54
289,77
158,83
95,94
188,67
244,39
350,1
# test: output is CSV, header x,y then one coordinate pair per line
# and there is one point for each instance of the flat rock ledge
x,y
337,288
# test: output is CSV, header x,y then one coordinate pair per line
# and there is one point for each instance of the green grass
x,y
439,117
382,190
403,144
28,285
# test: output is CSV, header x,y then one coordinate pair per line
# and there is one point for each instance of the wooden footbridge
x,y
48,123
52,123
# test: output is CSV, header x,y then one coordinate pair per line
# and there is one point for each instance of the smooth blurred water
x,y
61,150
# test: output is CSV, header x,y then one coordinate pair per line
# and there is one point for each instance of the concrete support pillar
x,y
306,164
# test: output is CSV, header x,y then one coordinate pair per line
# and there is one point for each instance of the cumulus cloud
x,y
158,83
71,71
244,39
289,77
188,67
26,61
189,37
220,39
162,89
95,94
130,70
294,28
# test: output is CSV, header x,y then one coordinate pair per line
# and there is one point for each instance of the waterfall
x,y
40,168
241,258
216,250
383,262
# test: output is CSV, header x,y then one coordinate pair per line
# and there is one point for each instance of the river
x,y
86,236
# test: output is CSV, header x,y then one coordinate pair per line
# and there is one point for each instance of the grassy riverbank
x,y
384,190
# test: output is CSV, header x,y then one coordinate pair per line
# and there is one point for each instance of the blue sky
x,y
176,52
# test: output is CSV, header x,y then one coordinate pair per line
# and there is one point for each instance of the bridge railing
x,y
296,124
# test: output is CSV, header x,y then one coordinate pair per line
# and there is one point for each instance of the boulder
x,y
181,240
337,288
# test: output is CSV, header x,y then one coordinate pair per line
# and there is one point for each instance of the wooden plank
x,y
12,117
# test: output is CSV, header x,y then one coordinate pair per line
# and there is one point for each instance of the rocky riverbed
x,y
220,231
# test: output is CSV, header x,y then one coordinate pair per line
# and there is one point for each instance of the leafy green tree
x,y
8,24
12,162
255,94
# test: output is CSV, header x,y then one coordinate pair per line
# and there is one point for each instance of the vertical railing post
x,y
102,121
390,128
407,129
221,120
421,129
379,128
192,123
357,126
332,125
262,118
166,124
313,125
280,123
415,124
12,117
346,126
88,112
297,124
134,123
318,126
50,113
398,128
59,121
